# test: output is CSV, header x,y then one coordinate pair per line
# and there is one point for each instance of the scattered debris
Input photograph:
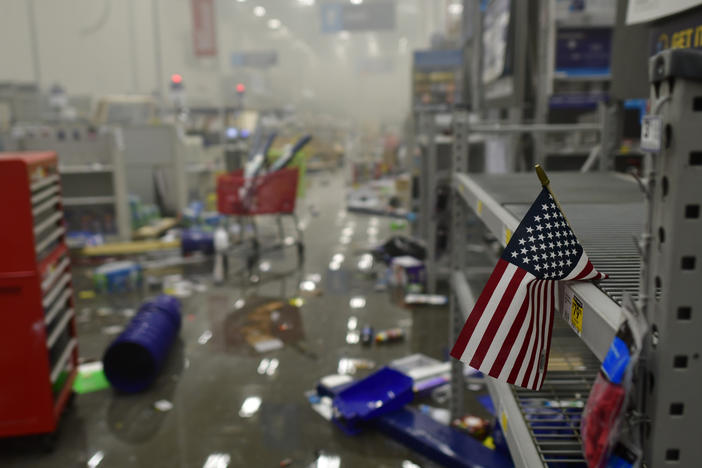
x,y
104,311
205,337
265,345
473,425
87,294
349,366
90,378
284,463
390,336
112,330
367,335
117,277
426,299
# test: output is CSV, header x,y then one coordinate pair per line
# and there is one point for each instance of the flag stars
x,y
537,218
532,239
547,216
550,245
537,267
569,262
529,229
524,251
533,248
535,258
526,260
539,227
522,241
549,235
544,256
548,226
553,254
541,237
553,205
514,254
544,207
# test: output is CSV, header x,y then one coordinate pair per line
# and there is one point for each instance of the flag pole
x,y
543,178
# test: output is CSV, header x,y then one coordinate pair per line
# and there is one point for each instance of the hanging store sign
x,y
641,11
679,32
376,16
204,32
255,59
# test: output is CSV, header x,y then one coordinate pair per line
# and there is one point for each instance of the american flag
x,y
508,333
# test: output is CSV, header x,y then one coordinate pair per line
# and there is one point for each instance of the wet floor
x,y
214,375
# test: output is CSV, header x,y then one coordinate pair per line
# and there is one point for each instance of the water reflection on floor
x,y
233,405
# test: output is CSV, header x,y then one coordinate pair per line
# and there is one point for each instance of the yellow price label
x,y
480,207
576,315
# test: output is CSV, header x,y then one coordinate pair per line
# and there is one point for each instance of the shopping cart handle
x,y
285,159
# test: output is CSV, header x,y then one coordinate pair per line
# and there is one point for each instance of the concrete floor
x,y
208,379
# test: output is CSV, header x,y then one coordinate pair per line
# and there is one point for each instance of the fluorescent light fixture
x,y
96,459
357,302
217,460
356,2
306,2
274,23
338,258
250,406
259,11
455,9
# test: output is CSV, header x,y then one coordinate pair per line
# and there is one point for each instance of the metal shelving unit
x,y
92,172
433,169
606,211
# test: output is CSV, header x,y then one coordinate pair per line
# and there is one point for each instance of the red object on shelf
x,y
38,345
273,193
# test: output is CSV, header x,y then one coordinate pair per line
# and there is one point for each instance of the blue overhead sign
x,y
257,59
438,59
376,16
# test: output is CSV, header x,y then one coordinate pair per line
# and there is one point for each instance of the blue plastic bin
x,y
134,359
380,393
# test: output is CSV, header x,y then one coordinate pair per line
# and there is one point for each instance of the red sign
x,y
204,31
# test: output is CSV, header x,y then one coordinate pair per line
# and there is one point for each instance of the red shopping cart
x,y
268,194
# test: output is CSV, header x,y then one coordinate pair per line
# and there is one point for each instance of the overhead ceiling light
x,y
241,1
259,11
356,2
306,2
455,8
274,23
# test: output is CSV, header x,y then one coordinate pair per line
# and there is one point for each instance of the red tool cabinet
x,y
38,344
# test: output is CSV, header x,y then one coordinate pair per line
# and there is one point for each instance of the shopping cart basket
x,y
268,194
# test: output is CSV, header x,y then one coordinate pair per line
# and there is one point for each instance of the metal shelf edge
x,y
601,315
521,445
464,295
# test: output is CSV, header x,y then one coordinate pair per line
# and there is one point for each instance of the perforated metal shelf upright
x,y
38,344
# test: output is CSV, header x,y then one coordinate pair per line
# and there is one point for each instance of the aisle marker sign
x,y
651,133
